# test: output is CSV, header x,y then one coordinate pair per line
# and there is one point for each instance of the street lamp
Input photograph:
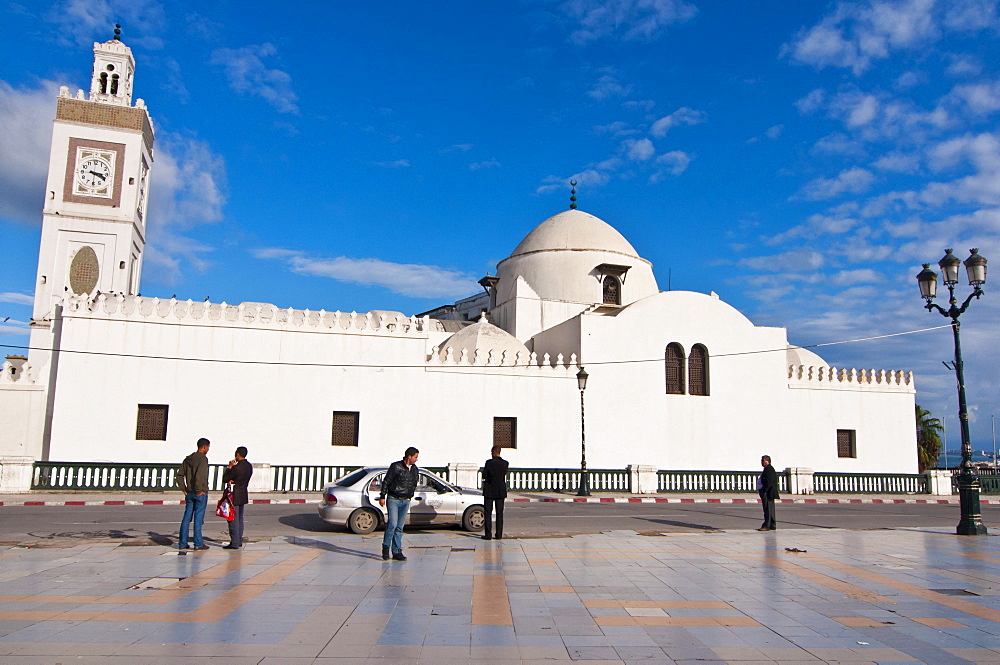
x,y
584,489
971,523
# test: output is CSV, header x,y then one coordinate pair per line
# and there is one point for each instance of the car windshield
x,y
351,478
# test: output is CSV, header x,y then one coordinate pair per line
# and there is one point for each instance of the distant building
x,y
678,380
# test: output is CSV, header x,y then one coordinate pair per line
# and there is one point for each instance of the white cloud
x,y
17,298
82,22
458,147
854,35
853,181
247,74
587,178
682,116
394,164
898,162
839,144
25,135
608,86
640,150
793,261
675,161
811,102
488,164
624,19
187,190
980,152
774,131
617,128
980,98
408,279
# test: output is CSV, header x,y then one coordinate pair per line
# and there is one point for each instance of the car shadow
x,y
309,522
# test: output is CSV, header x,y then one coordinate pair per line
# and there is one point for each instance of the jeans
x,y
194,507
395,518
490,504
236,527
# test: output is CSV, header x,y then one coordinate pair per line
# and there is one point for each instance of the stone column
x,y
800,480
642,479
262,479
15,474
938,482
464,474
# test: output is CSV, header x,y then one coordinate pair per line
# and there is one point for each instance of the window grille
x,y
84,271
675,369
612,290
846,443
345,428
698,370
151,423
505,432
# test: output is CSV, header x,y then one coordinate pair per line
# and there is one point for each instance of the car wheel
x,y
474,519
362,521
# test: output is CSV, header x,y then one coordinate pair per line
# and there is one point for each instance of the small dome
x,y
574,230
796,355
484,337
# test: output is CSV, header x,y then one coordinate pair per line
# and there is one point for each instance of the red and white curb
x,y
635,499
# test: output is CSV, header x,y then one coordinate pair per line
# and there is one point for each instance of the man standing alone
x,y
494,491
397,489
767,487
238,474
192,478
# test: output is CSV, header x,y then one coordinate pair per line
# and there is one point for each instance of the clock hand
x,y
99,175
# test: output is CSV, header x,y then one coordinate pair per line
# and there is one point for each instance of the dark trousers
x,y
768,505
236,527
492,504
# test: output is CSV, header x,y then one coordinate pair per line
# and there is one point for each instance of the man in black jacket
x,y
494,491
237,474
397,489
767,487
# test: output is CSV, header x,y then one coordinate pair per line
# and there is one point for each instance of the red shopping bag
x,y
225,507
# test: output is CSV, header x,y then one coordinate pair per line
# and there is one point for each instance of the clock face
x,y
94,173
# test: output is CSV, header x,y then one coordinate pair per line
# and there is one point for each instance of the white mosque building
x,y
677,380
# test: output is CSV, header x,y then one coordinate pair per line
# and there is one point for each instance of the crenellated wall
x,y
819,378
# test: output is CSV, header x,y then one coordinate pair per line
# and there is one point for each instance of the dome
x,y
796,355
574,230
484,337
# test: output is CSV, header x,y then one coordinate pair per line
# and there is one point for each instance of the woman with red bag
x,y
237,475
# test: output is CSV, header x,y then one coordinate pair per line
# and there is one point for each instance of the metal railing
x,y
989,482
713,481
870,483
565,480
302,478
98,476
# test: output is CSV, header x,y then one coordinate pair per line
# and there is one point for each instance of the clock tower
x,y
94,216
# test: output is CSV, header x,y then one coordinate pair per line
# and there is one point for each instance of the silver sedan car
x,y
352,501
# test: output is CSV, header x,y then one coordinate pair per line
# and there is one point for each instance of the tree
x,y
928,439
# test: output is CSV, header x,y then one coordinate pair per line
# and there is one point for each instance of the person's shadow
x,y
330,547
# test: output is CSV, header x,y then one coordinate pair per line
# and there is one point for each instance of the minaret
x,y
94,216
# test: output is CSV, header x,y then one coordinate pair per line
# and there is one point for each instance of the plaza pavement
x,y
887,596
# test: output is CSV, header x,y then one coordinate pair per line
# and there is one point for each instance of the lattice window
x,y
151,424
505,432
84,271
345,428
698,370
675,369
846,443
612,290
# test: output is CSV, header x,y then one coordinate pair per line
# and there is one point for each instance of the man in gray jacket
x,y
192,478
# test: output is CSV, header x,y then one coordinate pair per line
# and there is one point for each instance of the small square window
x,y
847,443
505,432
151,424
345,428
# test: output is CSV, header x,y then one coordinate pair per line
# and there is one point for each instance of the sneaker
x,y
385,553
398,556
201,548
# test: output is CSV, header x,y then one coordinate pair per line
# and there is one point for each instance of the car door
x,y
433,502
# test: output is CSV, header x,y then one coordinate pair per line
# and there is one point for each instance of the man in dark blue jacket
x,y
767,487
494,491
397,489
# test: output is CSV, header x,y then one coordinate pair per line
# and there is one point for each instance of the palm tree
x,y
928,439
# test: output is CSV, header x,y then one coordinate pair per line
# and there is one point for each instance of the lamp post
x,y
584,488
971,523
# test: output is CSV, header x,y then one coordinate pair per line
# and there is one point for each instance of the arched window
x,y
104,82
698,370
114,84
612,290
675,369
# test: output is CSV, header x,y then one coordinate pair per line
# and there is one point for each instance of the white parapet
x,y
642,479
939,482
800,480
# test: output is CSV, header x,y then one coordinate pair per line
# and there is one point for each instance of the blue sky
x,y
801,159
